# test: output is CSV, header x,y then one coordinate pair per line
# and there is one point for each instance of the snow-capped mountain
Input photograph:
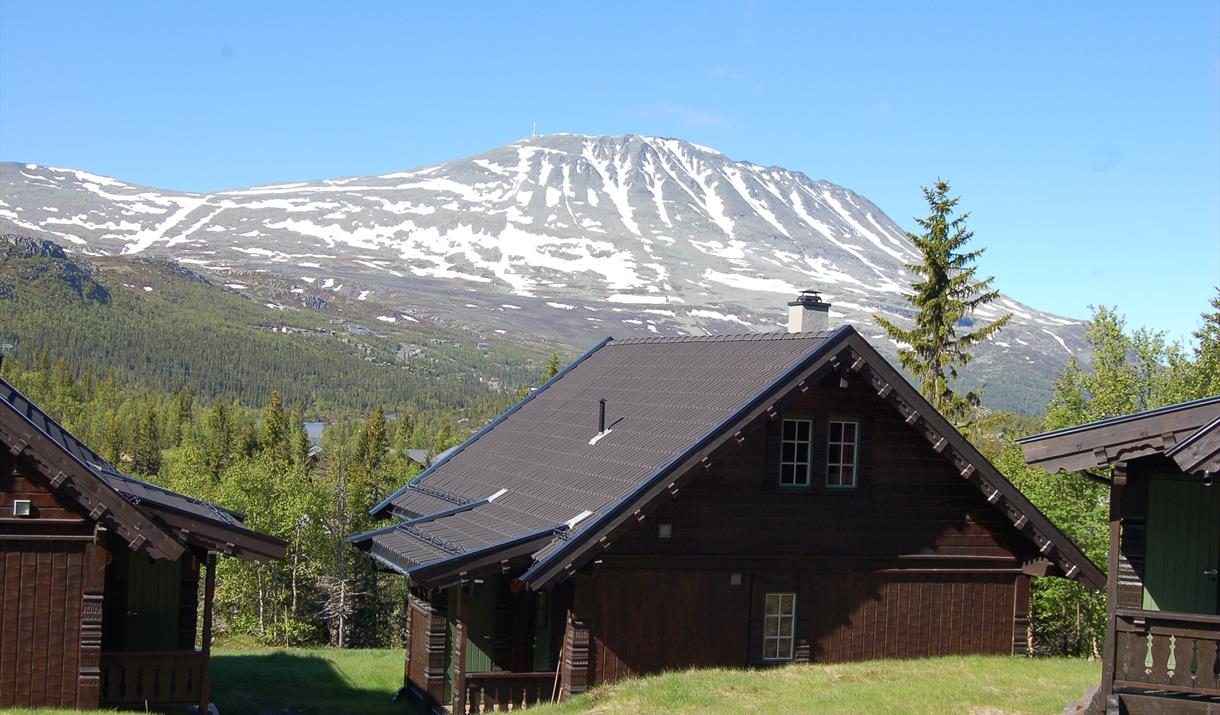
x,y
565,235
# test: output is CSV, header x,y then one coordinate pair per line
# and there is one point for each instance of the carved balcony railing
x,y
1176,652
155,678
504,691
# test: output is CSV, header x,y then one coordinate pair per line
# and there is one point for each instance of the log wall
x,y
912,562
50,596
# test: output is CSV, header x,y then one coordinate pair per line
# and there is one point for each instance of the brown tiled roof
x,y
539,484
662,395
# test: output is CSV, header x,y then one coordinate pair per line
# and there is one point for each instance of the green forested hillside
x,y
169,328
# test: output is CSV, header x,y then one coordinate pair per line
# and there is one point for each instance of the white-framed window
x,y
842,453
779,626
796,443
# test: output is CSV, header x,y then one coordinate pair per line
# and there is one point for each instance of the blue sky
x,y
1083,137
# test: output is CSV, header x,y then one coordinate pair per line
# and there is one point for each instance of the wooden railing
x,y
1177,652
504,691
155,678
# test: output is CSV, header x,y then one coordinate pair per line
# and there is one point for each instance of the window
x,y
794,453
779,623
842,453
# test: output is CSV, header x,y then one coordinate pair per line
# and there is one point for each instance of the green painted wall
x,y
1183,542
482,630
153,591
542,632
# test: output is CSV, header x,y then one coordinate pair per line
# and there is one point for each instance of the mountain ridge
x,y
559,235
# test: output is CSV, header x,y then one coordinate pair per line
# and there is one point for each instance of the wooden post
x,y
1118,481
459,651
89,675
1020,616
437,639
209,592
574,658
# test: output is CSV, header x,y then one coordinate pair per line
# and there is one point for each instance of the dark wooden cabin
x,y
1162,651
709,501
99,574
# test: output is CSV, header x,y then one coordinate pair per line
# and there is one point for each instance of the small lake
x,y
313,430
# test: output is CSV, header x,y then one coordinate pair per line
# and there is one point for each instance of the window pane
x,y
771,627
788,603
849,431
772,604
848,454
770,648
836,431
784,647
788,453
849,476
786,474
803,431
802,452
789,430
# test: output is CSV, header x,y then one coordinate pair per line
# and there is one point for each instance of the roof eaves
x,y
1195,452
364,536
969,455
543,571
227,516
1110,421
379,510
1195,437
435,571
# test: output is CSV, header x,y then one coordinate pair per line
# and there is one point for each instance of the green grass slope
x,y
974,685
325,681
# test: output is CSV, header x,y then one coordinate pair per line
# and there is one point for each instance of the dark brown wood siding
x,y
40,621
427,647
42,587
910,500
912,562
864,616
649,620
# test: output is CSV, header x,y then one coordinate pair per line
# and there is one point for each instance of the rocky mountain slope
x,y
567,237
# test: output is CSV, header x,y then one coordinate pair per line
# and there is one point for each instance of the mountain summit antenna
x,y
535,132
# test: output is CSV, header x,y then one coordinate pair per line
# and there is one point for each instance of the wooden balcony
x,y
1171,652
504,691
155,678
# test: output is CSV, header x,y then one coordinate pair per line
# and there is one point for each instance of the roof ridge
x,y
737,337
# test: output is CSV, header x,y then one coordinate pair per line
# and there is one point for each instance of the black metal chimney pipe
x,y
601,415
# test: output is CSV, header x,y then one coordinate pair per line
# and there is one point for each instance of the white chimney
x,y
808,314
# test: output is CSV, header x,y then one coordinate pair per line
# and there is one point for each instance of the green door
x,y
153,603
1182,551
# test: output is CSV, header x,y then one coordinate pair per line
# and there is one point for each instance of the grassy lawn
x,y
308,681
975,685
299,681
320,681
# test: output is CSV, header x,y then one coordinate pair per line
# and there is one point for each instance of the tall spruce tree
x,y
946,296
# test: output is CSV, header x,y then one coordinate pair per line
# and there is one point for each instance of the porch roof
x,y
1186,432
